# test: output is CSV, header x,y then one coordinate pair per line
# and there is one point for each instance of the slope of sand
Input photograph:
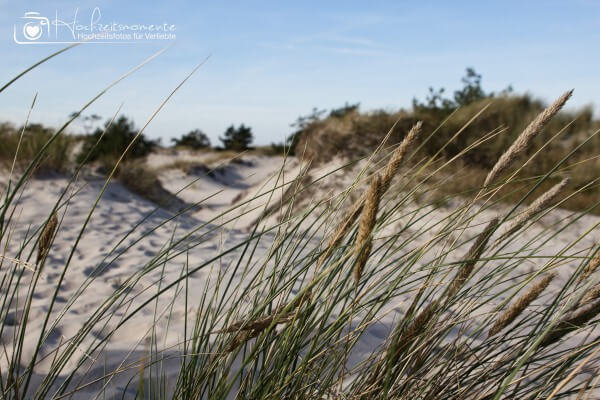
x,y
125,223
119,211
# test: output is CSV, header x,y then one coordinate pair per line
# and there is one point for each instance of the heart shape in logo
x,y
32,31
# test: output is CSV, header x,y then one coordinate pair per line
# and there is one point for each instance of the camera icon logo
x,y
34,27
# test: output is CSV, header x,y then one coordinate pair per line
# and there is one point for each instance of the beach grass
x,y
443,305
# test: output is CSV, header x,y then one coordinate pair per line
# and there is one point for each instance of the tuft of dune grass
x,y
20,146
421,321
142,180
389,172
308,361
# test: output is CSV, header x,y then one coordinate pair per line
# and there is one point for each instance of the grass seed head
x,y
591,267
591,295
366,225
540,204
472,257
46,237
388,174
507,317
522,143
572,321
391,169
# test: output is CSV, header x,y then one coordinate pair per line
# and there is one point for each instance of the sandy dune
x,y
126,223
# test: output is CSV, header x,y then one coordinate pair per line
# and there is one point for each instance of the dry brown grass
x,y
21,147
186,166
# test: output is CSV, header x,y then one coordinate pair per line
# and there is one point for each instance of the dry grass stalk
x,y
540,204
22,263
46,237
241,338
388,174
417,298
365,228
259,324
591,295
403,341
572,321
341,231
418,325
585,387
471,258
263,322
520,305
590,268
526,137
247,330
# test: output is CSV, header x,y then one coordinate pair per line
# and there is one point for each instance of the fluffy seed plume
x,y
572,321
472,257
388,174
365,228
591,267
541,203
507,317
525,138
46,237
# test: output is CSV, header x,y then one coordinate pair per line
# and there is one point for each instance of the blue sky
x,y
271,61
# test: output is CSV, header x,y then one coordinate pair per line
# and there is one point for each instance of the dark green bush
x,y
237,139
117,136
195,139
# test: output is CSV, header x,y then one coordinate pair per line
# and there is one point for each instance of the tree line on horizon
x,y
116,136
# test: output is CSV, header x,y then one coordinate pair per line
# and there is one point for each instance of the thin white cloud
x,y
354,51
335,42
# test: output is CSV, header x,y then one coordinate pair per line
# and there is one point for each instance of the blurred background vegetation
x,y
349,132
